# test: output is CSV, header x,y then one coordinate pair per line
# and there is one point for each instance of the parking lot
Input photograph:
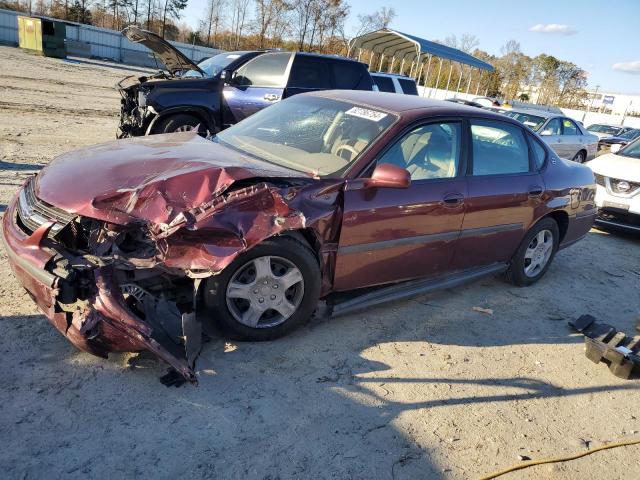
x,y
425,388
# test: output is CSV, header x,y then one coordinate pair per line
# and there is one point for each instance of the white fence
x,y
580,115
103,43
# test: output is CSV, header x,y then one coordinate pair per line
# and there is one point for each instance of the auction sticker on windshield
x,y
366,113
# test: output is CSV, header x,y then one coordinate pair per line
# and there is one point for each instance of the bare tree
x,y
213,19
238,21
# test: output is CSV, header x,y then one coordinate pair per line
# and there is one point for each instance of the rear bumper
x,y
105,325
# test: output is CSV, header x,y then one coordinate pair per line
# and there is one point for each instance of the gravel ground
x,y
426,388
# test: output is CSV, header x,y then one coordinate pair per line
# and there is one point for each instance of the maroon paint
x,y
183,188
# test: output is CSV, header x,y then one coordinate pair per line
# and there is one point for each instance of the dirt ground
x,y
426,388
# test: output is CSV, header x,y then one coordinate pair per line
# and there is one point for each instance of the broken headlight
x,y
142,97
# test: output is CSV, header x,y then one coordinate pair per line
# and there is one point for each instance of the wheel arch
x,y
562,220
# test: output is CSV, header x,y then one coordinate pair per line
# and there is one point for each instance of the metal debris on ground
x,y
605,344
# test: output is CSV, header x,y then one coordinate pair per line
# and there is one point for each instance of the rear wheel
x,y
267,292
180,123
580,157
535,253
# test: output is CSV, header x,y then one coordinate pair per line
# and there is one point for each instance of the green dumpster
x,y
43,36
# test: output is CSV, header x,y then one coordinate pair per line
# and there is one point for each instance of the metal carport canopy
x,y
391,43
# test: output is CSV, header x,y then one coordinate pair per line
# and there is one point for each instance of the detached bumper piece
x,y
605,344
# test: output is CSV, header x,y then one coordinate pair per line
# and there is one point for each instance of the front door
x,y
504,191
391,234
255,85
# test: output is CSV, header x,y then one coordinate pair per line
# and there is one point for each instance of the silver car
x,y
568,138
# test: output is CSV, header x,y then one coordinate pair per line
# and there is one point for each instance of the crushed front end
x,y
135,114
101,284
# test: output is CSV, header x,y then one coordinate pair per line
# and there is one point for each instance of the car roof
x,y
538,113
396,75
392,102
328,56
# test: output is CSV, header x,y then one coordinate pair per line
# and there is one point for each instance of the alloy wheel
x,y
538,253
265,292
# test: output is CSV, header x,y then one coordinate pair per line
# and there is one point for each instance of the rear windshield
x,y
632,150
532,121
630,135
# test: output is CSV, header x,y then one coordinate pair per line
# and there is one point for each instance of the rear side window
x,y
266,70
498,148
408,86
385,84
309,73
347,75
539,153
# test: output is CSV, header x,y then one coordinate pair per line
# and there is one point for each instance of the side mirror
x,y
227,76
387,175
615,148
546,133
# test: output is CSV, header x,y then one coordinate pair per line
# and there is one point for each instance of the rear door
x,y
574,141
552,134
255,85
394,234
504,193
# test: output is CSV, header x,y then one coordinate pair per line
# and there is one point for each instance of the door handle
x,y
453,200
271,97
535,191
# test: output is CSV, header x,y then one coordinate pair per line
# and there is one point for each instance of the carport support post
x,y
393,61
359,53
449,79
401,65
419,73
426,76
381,59
479,82
459,81
469,82
437,78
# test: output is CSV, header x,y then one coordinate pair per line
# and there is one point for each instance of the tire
x,y
523,271
580,157
231,298
180,123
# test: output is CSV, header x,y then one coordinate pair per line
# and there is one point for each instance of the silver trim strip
x,y
40,275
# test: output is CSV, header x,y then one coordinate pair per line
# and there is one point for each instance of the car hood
x,y
613,140
173,59
616,166
154,179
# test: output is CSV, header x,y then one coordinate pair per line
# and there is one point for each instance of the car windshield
x,y
214,65
630,134
532,121
606,129
314,135
632,150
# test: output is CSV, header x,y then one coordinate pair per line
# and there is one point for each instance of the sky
x,y
602,37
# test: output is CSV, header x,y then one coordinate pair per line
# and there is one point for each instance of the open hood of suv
x,y
173,59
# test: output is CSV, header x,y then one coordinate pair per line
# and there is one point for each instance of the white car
x,y
394,83
618,189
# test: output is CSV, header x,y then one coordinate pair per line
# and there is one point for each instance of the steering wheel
x,y
347,148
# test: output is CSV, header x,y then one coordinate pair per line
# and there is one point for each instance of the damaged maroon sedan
x,y
133,244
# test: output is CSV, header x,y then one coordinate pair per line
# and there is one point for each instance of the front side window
x,y
318,136
266,70
347,75
498,148
554,127
428,152
569,128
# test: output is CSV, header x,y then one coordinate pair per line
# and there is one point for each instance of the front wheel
x,y
579,157
266,292
533,257
181,123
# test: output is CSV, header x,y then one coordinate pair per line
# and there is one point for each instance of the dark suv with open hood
x,y
223,89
